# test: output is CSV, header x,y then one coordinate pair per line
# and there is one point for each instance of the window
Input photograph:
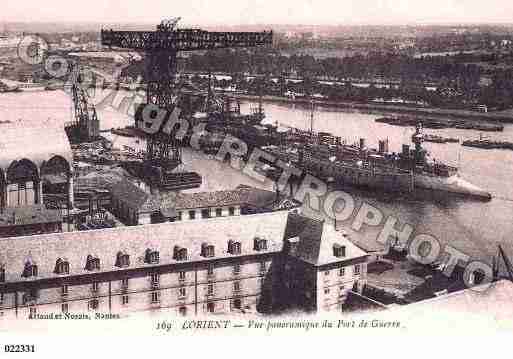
x,y
95,287
64,307
326,291
234,247
61,267
263,267
237,303
236,269
30,270
192,214
124,283
2,274
182,292
205,213
260,244
155,278
236,286
327,272
219,212
1,298
30,296
180,215
179,253
210,269
33,310
356,269
211,307
231,211
342,272
92,263
155,297
124,300
151,257
93,304
64,290
210,289
122,260
207,250
182,311
181,275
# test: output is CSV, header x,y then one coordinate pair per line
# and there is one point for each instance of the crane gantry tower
x,y
161,48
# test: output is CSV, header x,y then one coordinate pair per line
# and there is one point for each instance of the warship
x,y
328,158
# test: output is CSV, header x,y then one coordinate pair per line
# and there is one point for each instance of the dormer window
x,y
180,253
61,266
339,251
260,244
122,260
234,247
151,256
30,270
207,250
92,263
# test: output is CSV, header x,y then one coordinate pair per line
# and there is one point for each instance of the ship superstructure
x,y
329,158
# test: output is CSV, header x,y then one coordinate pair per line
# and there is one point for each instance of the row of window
x,y
207,213
154,279
94,304
342,271
342,290
236,268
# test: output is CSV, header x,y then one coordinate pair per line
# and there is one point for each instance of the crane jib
x,y
183,39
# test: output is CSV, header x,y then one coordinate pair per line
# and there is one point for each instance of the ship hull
x,y
453,184
391,180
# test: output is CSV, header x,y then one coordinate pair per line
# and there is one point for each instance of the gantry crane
x,y
161,48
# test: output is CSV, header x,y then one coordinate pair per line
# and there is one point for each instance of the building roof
x,y
44,250
173,201
27,215
135,197
37,144
242,195
315,241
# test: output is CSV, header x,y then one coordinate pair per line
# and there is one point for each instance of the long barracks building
x,y
212,265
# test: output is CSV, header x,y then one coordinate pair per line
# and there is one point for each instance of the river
x,y
473,227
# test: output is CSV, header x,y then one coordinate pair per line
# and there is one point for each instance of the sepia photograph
x,y
254,168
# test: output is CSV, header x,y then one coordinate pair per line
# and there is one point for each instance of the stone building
x,y
263,262
30,156
29,220
209,266
134,206
321,266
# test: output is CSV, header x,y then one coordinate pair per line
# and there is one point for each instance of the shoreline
x,y
381,109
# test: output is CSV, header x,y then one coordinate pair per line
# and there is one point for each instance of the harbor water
x,y
473,227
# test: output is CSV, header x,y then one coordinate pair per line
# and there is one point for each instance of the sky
x,y
235,12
